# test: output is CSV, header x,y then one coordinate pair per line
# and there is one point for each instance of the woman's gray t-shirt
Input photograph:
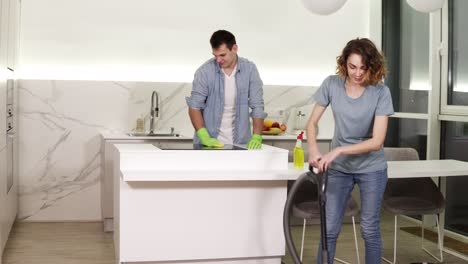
x,y
354,122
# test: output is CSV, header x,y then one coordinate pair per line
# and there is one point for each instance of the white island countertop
x,y
140,161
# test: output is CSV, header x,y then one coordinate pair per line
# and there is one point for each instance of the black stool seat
x,y
411,206
310,209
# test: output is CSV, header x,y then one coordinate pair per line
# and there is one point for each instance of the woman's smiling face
x,y
356,69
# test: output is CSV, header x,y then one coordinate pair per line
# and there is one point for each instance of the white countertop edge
x,y
136,148
149,148
397,169
427,168
176,176
123,136
290,137
405,169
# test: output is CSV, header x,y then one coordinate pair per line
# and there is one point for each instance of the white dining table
x,y
427,168
410,168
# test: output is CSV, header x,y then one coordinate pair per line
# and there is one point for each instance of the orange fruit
x,y
267,123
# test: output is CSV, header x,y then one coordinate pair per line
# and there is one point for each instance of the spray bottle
x,y
298,157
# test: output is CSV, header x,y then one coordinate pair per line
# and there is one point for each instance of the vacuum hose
x,y
320,180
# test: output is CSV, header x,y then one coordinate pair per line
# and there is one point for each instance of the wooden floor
x,y
408,250
85,243
59,243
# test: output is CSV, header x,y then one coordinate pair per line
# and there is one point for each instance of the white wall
x,y
153,40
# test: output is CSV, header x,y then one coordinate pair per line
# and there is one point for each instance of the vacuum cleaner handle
x,y
323,220
322,181
321,188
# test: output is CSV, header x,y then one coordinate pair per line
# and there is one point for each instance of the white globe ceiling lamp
x,y
426,6
323,7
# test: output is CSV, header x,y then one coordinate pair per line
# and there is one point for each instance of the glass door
x,y
454,96
454,110
455,146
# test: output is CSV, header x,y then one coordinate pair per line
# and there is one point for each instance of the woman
x,y
361,104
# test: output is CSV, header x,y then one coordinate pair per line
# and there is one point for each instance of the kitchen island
x,y
177,204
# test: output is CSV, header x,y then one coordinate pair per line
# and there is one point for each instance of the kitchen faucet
x,y
154,110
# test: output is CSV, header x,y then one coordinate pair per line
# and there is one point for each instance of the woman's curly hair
x,y
371,57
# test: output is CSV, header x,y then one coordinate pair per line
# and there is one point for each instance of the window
x,y
455,91
455,144
405,44
406,48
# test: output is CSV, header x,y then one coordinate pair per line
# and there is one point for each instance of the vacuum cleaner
x,y
319,180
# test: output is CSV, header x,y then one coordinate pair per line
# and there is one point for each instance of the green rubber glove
x,y
207,140
255,142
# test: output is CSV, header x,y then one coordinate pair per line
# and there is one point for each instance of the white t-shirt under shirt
x,y
229,114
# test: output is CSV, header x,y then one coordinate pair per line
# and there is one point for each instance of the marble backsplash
x,y
281,102
59,143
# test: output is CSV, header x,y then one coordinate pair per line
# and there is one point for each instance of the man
x,y
223,90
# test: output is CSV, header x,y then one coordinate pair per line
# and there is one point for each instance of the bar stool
x,y
306,206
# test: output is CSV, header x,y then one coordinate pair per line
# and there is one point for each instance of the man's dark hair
x,y
221,37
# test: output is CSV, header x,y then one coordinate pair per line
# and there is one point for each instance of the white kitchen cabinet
x,y
4,15
13,33
181,206
3,161
8,157
107,169
9,43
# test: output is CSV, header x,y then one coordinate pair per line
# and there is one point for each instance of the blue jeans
x,y
371,186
